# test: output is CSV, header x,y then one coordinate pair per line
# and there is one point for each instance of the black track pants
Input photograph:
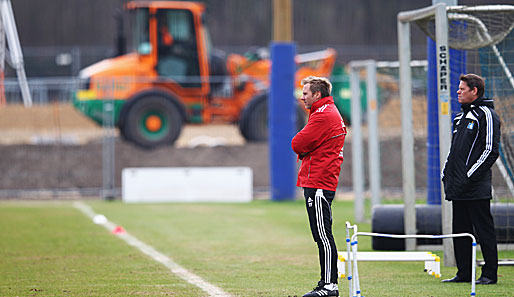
x,y
318,203
469,216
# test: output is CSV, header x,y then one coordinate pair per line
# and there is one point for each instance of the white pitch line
x,y
180,271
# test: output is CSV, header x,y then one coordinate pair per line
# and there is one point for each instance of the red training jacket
x,y
320,146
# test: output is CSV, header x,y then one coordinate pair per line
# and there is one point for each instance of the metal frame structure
x,y
353,276
373,152
15,57
370,66
442,13
443,71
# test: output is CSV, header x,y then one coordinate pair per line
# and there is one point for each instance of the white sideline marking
x,y
190,277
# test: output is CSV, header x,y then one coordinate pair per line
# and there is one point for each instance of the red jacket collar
x,y
321,102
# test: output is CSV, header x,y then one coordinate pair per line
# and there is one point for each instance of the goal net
x,y
484,36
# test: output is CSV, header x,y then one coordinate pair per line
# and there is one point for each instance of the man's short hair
x,y
318,84
474,81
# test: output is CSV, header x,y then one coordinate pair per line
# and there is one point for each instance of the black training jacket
x,y
474,149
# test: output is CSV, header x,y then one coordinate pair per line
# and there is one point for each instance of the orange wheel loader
x,y
173,76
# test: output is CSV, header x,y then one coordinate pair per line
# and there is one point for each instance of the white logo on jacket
x,y
322,108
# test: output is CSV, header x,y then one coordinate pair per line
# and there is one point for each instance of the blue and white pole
x,y
457,67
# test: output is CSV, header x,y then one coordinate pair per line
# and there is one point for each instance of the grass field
x,y
258,249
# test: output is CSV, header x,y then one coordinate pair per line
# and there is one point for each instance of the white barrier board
x,y
187,184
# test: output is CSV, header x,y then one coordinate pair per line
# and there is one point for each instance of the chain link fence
x,y
51,150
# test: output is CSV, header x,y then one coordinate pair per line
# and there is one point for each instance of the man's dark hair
x,y
474,81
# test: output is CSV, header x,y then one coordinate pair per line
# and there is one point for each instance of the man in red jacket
x,y
320,147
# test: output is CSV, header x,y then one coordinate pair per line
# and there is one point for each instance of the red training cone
x,y
118,230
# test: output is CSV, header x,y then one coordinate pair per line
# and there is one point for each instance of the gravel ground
x,y
65,166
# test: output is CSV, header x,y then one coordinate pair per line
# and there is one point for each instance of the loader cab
x,y
170,35
177,53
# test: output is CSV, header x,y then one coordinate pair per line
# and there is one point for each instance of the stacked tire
x,y
388,219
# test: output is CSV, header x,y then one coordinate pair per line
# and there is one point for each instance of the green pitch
x,y
258,249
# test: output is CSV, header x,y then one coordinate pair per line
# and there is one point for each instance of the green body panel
x,y
97,110
94,109
195,113
342,94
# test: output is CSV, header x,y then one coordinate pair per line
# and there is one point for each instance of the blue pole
x,y
282,121
457,67
433,171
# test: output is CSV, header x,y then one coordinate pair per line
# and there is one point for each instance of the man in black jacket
x,y
467,178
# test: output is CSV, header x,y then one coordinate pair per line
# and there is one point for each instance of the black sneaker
x,y
321,291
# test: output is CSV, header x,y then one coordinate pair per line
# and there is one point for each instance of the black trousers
x,y
318,203
474,216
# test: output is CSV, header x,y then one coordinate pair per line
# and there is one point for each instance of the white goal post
x,y
458,27
404,54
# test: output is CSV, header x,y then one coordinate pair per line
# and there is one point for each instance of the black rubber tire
x,y
152,103
389,219
503,222
253,122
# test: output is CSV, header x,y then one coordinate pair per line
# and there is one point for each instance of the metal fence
x,y
51,150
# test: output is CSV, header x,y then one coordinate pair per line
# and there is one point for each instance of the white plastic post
x,y
348,262
356,285
443,92
373,141
409,187
473,265
357,170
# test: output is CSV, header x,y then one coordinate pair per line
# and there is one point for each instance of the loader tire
x,y
152,120
253,123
